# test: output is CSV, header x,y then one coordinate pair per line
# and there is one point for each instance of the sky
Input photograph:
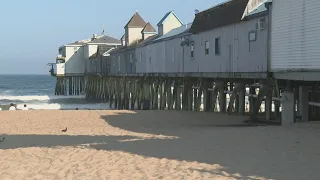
x,y
32,31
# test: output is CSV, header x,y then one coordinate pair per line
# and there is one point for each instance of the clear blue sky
x,y
31,31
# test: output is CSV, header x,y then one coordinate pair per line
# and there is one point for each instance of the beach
x,y
152,145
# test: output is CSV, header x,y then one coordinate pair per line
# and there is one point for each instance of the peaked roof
x,y
167,15
101,50
106,39
148,28
229,12
136,21
259,9
123,37
175,32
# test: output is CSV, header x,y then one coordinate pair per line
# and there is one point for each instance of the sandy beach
x,y
152,145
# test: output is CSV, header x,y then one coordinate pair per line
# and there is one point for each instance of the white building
x,y
73,57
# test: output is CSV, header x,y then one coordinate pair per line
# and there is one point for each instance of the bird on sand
x,y
64,130
2,139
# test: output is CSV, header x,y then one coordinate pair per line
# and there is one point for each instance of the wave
x,y
98,106
38,98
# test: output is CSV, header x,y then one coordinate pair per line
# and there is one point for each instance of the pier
x,y
211,65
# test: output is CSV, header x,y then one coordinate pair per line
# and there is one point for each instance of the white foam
x,y
97,106
39,98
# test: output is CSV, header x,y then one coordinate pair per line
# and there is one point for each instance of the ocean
x,y
37,91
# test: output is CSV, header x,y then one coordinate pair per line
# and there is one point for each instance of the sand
x,y
152,145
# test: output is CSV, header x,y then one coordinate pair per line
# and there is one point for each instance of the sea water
x,y
37,91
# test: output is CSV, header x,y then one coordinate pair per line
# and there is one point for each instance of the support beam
x,y
303,103
238,87
288,110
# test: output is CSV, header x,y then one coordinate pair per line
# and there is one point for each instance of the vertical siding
x,y
190,63
156,54
235,55
173,55
75,63
295,35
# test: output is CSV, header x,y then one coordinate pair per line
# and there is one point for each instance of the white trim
x,y
107,53
73,45
112,44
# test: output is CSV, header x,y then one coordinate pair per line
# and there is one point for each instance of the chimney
x,y
94,36
196,12
123,40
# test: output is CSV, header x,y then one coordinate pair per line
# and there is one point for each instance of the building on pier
x,y
73,58
129,60
228,47
79,58
260,45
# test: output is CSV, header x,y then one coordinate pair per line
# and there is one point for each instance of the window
x,y
260,25
173,54
113,61
217,46
192,50
207,47
252,36
131,58
119,63
140,58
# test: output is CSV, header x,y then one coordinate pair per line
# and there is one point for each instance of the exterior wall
x,y
74,63
141,59
118,63
132,35
190,63
130,64
89,50
59,69
170,23
237,54
160,30
146,35
62,51
295,35
156,57
174,56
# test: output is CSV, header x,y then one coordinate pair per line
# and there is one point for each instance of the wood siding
x,y
295,35
237,54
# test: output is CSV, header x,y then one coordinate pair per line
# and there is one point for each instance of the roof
x,y
149,39
221,15
166,16
136,21
76,43
261,8
123,37
175,32
101,50
138,44
106,39
148,28
79,43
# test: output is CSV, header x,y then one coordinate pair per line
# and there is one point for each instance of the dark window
x,y
217,46
192,50
207,47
